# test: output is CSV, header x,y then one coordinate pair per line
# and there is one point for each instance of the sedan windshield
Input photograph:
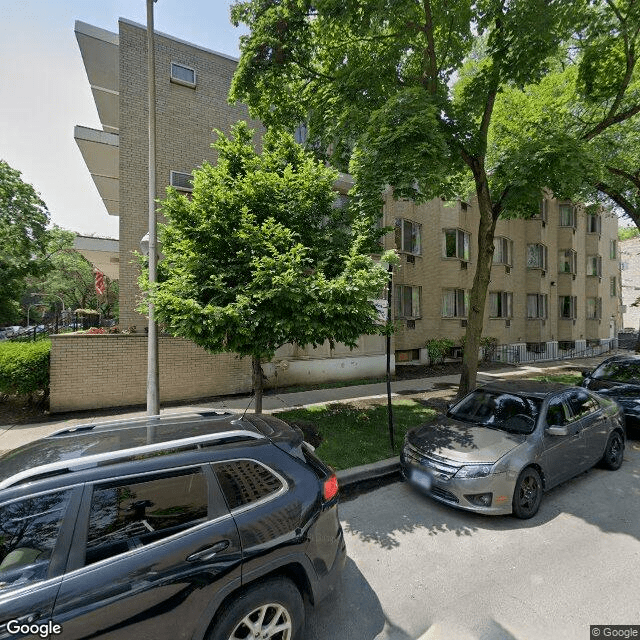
x,y
504,411
619,372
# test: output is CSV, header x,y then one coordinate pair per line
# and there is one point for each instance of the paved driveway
x,y
418,569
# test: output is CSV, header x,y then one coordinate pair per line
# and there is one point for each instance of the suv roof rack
x,y
61,467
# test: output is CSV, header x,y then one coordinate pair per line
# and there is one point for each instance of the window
x,y
594,266
536,256
408,236
593,223
407,301
613,287
567,215
28,534
542,211
181,181
456,244
613,249
567,307
455,303
183,75
127,514
567,261
557,415
244,482
581,404
594,308
536,305
500,304
502,251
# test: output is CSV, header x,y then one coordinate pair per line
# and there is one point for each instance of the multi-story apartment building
x,y
630,268
555,278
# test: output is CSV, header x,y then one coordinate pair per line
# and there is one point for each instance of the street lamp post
x,y
153,378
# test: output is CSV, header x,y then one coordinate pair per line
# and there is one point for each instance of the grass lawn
x,y
566,378
353,435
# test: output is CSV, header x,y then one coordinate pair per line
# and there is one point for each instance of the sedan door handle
x,y
209,552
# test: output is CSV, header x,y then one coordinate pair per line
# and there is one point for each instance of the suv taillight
x,y
330,488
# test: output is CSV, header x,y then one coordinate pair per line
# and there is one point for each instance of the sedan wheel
x,y
273,610
527,494
613,452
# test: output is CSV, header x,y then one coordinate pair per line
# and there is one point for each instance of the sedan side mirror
x,y
555,430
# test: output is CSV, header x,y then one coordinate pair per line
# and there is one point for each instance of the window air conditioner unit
x,y
463,323
463,265
411,259
411,324
507,269
181,181
507,323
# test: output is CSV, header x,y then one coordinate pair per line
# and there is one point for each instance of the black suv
x,y
184,526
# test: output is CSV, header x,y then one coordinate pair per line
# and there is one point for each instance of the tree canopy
x,y
23,236
259,255
405,91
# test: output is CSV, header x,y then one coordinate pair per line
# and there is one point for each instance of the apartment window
x,y
408,236
456,244
613,287
181,181
613,249
502,251
180,74
536,256
536,305
500,304
594,266
567,215
567,261
594,308
407,301
567,307
455,303
593,223
542,211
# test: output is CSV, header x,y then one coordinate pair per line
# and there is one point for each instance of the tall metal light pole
x,y
153,377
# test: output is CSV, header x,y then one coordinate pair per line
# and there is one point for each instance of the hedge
x,y
24,367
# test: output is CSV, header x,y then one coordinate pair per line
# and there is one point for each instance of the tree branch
x,y
626,175
623,202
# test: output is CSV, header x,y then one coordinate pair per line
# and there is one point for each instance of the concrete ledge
x,y
375,470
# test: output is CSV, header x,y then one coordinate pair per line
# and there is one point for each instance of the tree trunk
x,y
478,297
258,380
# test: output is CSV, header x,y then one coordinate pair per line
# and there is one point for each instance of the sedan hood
x,y
461,442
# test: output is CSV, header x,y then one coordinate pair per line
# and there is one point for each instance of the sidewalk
x,y
12,436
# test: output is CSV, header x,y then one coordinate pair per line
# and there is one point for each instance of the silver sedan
x,y
502,445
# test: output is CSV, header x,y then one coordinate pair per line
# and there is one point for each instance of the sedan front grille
x,y
437,492
439,466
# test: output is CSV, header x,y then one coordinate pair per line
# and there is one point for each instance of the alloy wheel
x,y
270,621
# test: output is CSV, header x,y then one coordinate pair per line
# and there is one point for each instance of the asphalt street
x,y
419,569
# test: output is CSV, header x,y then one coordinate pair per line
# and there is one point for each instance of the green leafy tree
x,y
405,91
23,237
259,256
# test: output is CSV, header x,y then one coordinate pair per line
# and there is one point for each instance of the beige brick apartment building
x,y
555,280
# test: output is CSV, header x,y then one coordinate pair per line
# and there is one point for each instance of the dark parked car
x,y
206,525
502,445
618,378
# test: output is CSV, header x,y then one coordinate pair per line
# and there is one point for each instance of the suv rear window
x,y
245,481
127,514
619,372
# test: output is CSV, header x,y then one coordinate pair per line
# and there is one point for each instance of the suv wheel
x,y
273,610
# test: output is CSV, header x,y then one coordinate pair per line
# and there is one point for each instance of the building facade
x,y
630,268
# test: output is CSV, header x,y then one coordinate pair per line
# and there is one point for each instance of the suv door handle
x,y
209,552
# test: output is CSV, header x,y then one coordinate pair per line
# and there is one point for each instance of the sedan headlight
x,y
474,471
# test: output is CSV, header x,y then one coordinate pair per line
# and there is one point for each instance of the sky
x,y
44,91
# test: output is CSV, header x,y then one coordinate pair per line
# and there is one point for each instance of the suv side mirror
x,y
556,430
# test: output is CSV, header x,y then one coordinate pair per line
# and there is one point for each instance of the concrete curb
x,y
349,478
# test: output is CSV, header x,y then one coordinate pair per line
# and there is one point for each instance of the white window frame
x,y
541,251
415,231
176,183
594,308
572,307
463,244
564,206
591,217
460,306
500,304
571,256
400,302
502,245
594,263
182,81
537,306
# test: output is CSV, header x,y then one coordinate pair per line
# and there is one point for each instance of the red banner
x,y
100,288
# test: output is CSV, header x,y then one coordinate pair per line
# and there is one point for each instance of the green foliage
x,y
24,367
23,220
626,233
565,378
438,348
258,257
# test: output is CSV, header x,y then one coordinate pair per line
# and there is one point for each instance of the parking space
x,y
419,569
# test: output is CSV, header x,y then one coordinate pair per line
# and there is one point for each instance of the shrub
x,y
438,348
489,346
24,367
